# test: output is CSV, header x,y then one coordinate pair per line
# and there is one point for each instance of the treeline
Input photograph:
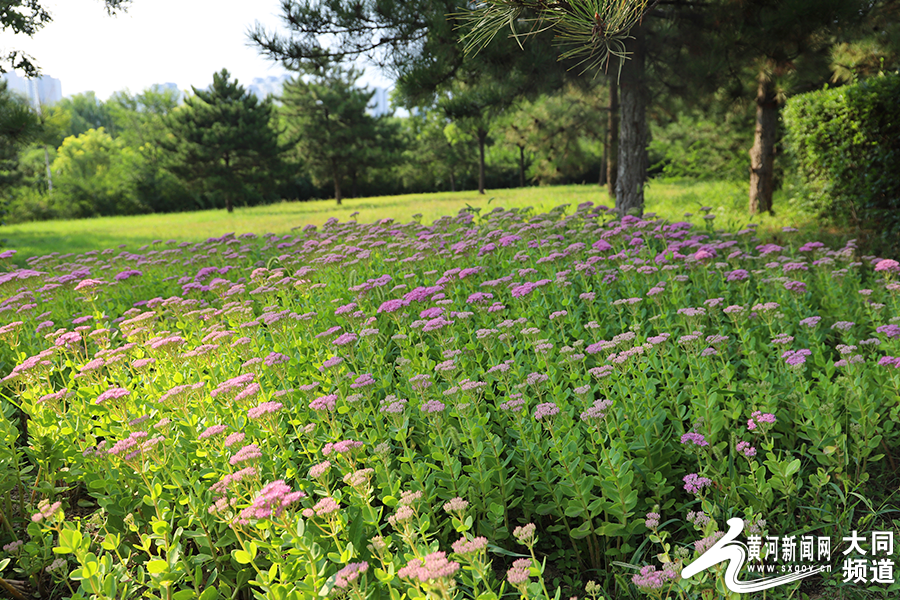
x,y
158,152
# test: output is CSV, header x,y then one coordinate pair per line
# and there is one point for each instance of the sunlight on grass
x,y
670,199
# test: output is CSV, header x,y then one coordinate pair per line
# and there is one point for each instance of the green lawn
x,y
667,198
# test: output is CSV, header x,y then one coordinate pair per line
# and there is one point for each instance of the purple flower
x,y
545,409
888,264
694,483
758,418
652,520
341,447
249,452
810,321
363,380
797,287
270,502
701,546
275,358
126,274
327,403
796,358
746,449
349,574
694,438
433,406
433,567
891,331
235,438
597,411
346,338
650,580
737,275
390,306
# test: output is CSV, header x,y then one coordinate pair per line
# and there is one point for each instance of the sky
x,y
155,41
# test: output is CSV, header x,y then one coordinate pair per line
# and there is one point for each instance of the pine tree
x,y
327,121
222,143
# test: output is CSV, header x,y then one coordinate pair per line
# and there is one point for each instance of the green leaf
x,y
209,593
155,567
242,556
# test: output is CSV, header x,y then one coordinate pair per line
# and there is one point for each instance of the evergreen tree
x,y
222,144
337,139
782,45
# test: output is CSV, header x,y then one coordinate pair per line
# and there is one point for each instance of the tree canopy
x,y
326,120
222,143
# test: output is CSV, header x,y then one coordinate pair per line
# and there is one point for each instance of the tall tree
x,y
86,112
326,120
414,40
19,126
597,33
222,143
474,106
27,17
782,46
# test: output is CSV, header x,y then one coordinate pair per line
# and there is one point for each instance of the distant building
x,y
168,86
44,90
263,86
380,103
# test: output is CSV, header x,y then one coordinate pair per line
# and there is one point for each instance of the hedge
x,y
846,145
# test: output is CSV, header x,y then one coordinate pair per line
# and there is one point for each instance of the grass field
x,y
668,198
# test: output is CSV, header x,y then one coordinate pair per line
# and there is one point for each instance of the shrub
x,y
846,143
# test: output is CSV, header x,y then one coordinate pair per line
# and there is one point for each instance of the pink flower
x,y
212,431
888,264
694,438
758,418
324,402
349,574
112,394
694,483
433,567
264,409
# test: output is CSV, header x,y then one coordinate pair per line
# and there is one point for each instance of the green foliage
x,y
223,145
702,146
86,112
563,133
844,142
92,176
326,122
131,412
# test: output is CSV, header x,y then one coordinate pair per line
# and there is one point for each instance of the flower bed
x,y
494,405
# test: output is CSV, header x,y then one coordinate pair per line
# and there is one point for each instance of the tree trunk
x,y
482,138
612,137
228,205
452,182
337,189
762,154
521,166
634,134
49,172
603,164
